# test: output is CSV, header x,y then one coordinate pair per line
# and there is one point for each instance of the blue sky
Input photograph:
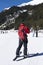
x,y
9,3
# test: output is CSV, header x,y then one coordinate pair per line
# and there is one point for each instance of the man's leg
x,y
25,48
19,47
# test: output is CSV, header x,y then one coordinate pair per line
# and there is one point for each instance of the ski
x,y
28,56
23,57
15,58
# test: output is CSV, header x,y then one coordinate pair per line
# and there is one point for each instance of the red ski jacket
x,y
22,32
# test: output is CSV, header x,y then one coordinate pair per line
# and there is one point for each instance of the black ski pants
x,y
22,42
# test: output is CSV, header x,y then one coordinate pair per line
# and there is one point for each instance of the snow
x,y
33,2
9,43
7,8
23,11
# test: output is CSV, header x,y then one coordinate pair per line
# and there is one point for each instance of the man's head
x,y
22,24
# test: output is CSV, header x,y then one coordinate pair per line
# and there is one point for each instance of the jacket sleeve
x,y
21,35
27,30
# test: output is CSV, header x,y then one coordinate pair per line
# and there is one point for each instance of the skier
x,y
22,32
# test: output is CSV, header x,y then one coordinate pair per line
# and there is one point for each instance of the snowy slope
x,y
9,43
33,2
7,8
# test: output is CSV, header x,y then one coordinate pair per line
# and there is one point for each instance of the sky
x,y
9,3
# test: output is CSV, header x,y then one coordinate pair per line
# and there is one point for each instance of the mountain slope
x,y
29,14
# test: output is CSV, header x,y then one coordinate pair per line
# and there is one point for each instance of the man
x,y
22,32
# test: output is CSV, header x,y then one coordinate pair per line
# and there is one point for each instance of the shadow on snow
x,y
30,56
